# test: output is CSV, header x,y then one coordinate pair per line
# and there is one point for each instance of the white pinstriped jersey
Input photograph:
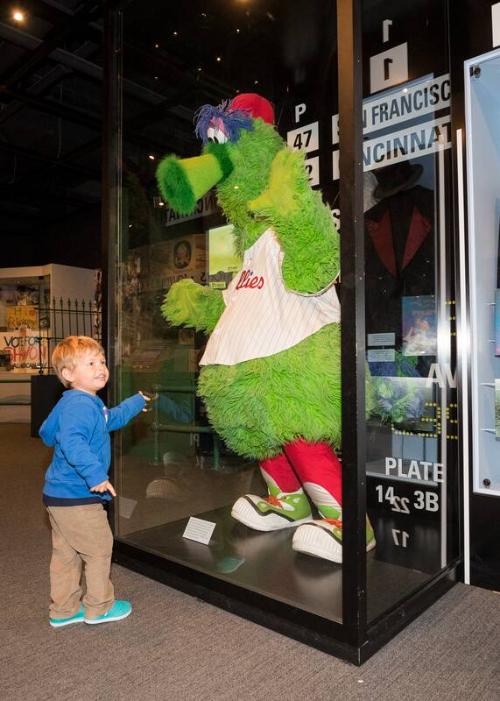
x,y
262,317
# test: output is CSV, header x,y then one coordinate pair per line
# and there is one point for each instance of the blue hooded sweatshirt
x,y
78,428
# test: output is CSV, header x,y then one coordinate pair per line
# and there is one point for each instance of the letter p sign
x,y
299,111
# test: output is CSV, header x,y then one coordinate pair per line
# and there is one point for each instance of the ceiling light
x,y
151,157
18,16
219,59
175,34
157,46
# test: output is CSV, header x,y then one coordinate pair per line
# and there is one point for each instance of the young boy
x,y
77,486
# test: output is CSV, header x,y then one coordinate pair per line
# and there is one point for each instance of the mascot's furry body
x,y
281,404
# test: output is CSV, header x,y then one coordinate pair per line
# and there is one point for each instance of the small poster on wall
x,y
408,403
419,325
223,261
22,315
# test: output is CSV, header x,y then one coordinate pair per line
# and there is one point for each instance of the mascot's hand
x,y
287,181
180,302
189,304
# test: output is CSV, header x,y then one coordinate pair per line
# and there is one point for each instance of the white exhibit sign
x,y
199,530
305,138
382,339
381,355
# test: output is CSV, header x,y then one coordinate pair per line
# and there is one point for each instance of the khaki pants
x,y
80,534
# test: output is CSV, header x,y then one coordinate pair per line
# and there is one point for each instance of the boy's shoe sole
x,y
79,617
119,611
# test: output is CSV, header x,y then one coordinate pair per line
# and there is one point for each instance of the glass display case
x,y
368,104
412,433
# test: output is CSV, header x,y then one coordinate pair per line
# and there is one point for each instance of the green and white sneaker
x,y
274,512
324,538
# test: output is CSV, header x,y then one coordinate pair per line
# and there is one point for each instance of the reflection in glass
x,y
411,430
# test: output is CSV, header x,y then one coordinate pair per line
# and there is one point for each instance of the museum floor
x,y
175,647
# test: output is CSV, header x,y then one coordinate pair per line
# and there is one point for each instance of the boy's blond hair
x,y
67,351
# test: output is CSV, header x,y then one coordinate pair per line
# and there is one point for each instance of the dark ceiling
x,y
51,102
50,116
177,55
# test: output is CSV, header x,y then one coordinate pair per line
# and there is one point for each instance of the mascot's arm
x,y
189,304
302,222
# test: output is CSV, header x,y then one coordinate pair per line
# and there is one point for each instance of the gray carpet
x,y
174,647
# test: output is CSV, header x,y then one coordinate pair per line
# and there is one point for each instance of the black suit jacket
x,y
399,257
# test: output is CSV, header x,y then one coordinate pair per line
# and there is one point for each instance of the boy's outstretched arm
x,y
120,415
196,306
302,223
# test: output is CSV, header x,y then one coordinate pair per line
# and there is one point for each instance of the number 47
x,y
400,538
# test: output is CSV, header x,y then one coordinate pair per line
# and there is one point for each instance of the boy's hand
x,y
147,399
105,486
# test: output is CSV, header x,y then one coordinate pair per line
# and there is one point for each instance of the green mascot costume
x,y
270,374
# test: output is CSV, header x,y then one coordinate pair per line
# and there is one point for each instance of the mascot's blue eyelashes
x,y
222,117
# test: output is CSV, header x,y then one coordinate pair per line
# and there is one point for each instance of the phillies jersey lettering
x,y
262,317
247,279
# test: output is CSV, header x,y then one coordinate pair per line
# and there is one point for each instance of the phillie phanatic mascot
x,y
270,374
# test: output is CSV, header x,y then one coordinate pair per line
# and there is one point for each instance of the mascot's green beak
x,y
183,181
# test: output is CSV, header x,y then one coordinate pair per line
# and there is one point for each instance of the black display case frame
x,y
356,639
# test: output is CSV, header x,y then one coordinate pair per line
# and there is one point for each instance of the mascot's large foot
x,y
324,539
272,513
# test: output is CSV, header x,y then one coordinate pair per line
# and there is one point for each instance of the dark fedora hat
x,y
396,177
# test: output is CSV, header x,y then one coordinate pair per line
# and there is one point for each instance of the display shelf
x,y
258,562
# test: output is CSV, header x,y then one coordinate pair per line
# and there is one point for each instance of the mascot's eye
x,y
216,136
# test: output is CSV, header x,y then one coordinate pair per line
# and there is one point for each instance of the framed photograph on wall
x,y
419,325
